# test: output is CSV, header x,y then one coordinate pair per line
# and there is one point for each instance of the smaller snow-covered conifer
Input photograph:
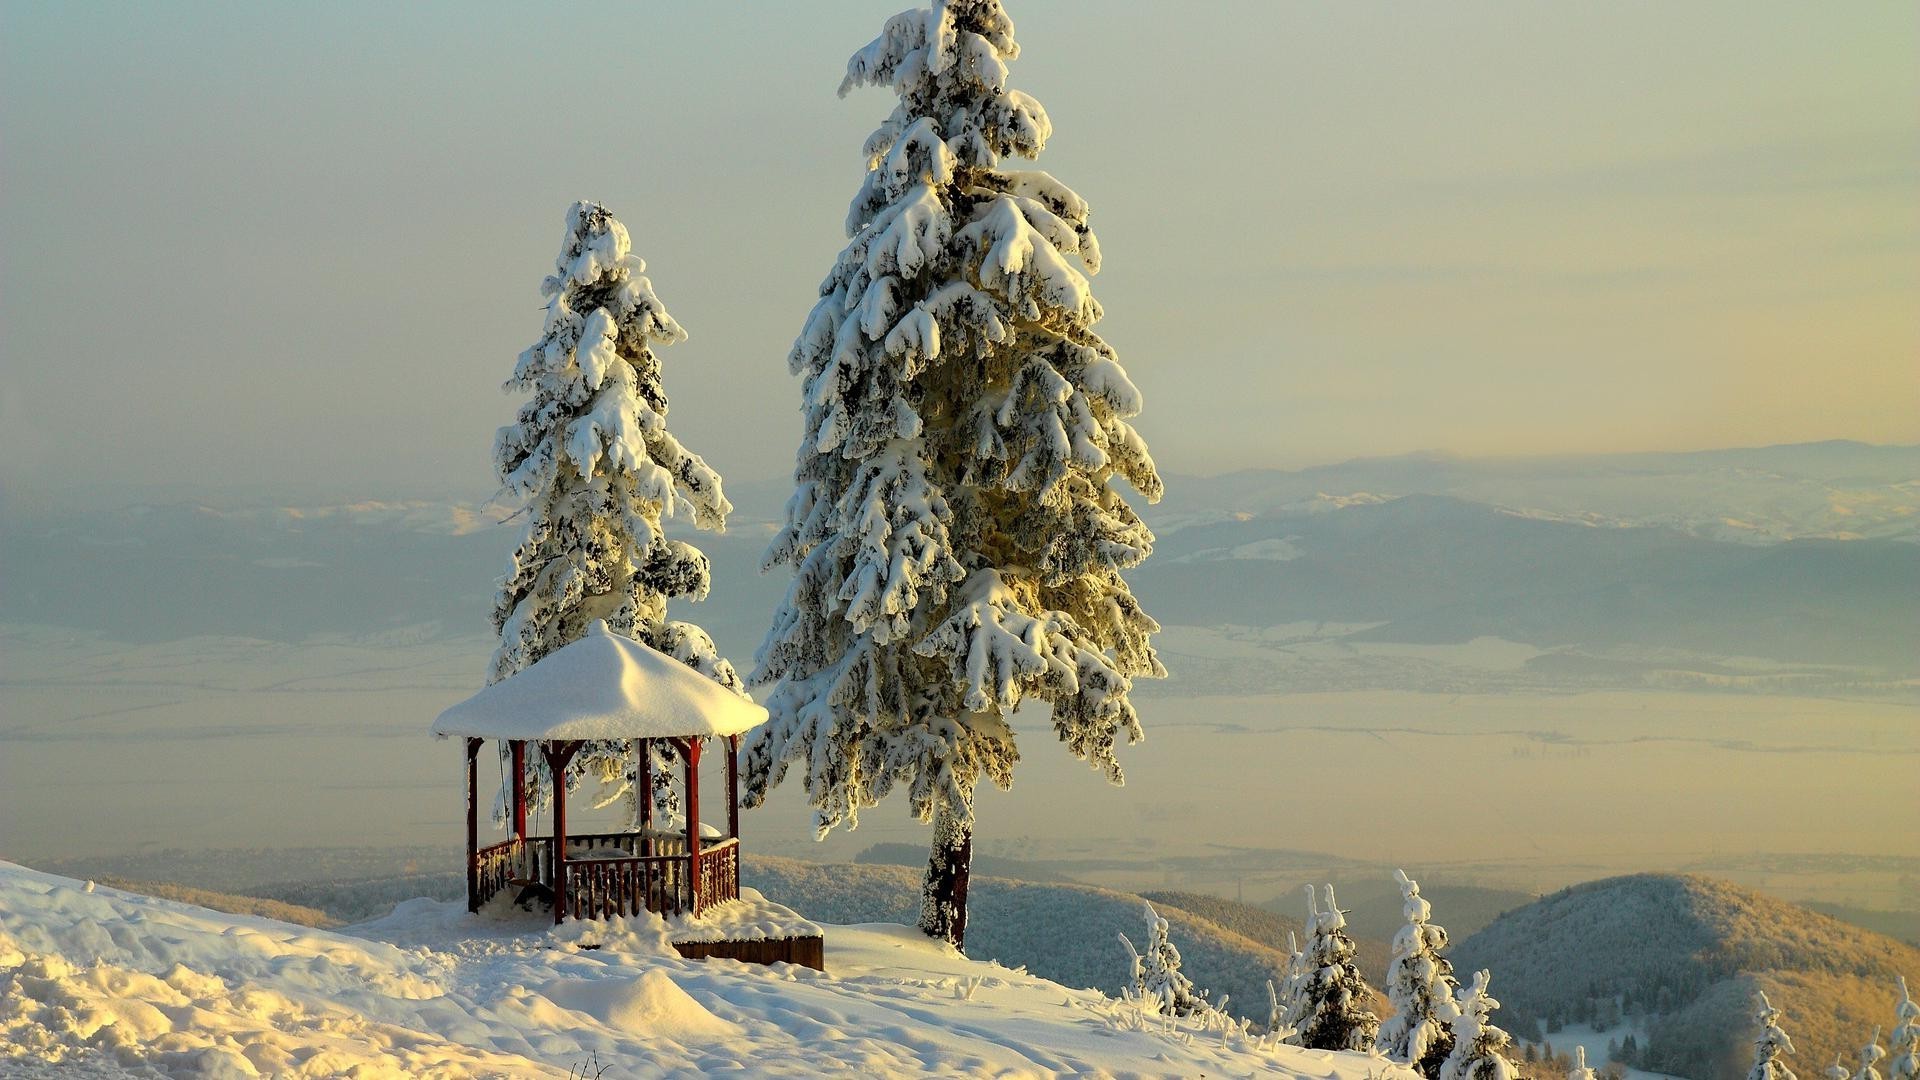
x,y
1870,1055
1480,1049
1157,978
1335,997
598,473
1580,1070
1420,986
1770,1045
1905,1040
1838,1070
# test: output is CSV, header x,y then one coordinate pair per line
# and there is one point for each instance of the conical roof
x,y
603,686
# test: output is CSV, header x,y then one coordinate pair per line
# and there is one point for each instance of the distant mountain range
x,y
1434,568
1798,554
1682,956
1827,490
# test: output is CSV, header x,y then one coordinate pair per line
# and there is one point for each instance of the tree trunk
x,y
943,900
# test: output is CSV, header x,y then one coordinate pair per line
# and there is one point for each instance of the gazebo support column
x,y
645,795
519,748
558,756
473,824
692,751
733,786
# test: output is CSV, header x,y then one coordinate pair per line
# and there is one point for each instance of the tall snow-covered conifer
x,y
1336,998
1420,986
591,457
956,532
1581,1070
1480,1049
1770,1045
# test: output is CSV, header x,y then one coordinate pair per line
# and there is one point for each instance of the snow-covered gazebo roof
x,y
603,686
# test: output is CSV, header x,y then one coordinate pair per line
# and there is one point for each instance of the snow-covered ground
x,y
98,982
1596,1042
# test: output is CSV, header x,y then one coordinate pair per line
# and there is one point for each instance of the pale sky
x,y
254,244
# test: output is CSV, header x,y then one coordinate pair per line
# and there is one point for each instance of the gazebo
x,y
605,687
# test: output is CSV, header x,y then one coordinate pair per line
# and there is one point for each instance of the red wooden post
x,y
693,824
557,758
646,795
733,786
473,825
519,788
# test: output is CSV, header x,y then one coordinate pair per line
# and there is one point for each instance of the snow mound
x,y
106,983
651,1002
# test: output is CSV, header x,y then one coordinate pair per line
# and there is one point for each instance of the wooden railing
x,y
602,888
718,874
599,886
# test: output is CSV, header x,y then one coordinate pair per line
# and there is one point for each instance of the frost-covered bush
x,y
957,531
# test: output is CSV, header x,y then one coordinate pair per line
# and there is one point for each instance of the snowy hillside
x,y
1060,931
1681,956
99,982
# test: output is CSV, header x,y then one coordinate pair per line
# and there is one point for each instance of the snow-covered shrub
x,y
1335,998
1420,987
590,456
956,533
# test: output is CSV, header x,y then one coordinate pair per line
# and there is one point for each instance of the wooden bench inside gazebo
x,y
605,687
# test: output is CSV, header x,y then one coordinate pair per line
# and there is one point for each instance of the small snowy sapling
x,y
1335,998
1870,1055
1157,981
1420,987
1770,1045
1905,1040
1481,1051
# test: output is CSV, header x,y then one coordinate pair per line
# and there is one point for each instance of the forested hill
x,y
1686,954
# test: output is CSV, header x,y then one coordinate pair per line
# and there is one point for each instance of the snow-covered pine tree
x,y
1480,1049
1838,1070
1157,977
1905,1040
591,458
1336,998
1420,987
1580,1070
956,532
1770,1045
1870,1055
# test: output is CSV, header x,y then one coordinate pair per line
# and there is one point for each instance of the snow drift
x,y
101,982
